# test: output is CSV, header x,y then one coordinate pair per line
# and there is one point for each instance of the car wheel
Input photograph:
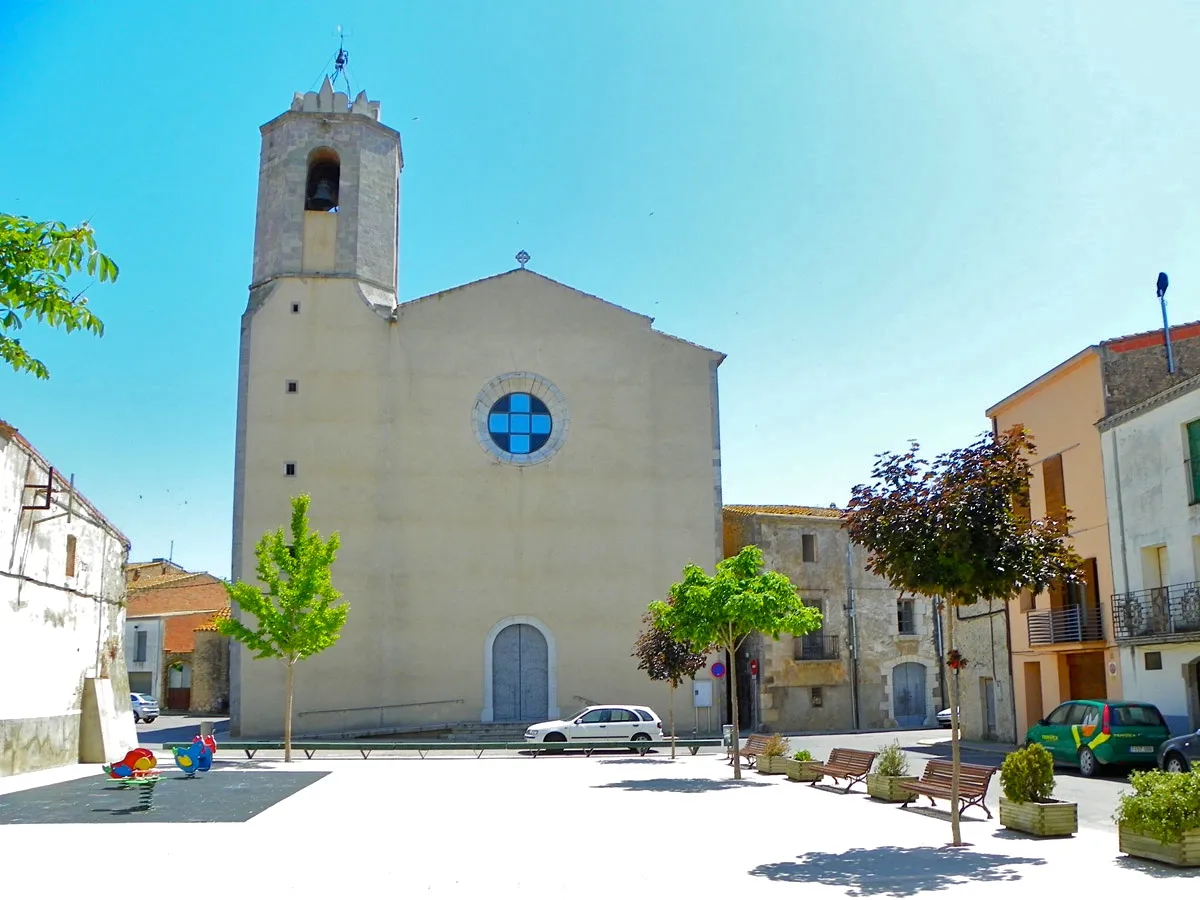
x,y
555,737
638,739
1088,764
151,719
136,718
1175,763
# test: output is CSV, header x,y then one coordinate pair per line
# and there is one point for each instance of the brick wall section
x,y
199,593
1135,368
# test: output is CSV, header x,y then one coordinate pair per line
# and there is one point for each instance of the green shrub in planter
x,y
1027,779
773,758
891,768
1027,775
802,756
1164,805
799,767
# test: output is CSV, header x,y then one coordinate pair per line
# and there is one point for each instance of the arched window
x,y
324,176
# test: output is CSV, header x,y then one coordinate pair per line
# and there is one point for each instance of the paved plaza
x,y
455,826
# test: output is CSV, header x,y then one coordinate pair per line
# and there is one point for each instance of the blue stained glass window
x,y
519,423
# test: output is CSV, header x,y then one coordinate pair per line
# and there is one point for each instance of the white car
x,y
145,708
623,724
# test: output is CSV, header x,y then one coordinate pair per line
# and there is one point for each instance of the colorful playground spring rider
x,y
196,758
137,769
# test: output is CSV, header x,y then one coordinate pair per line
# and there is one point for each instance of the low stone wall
x,y
27,745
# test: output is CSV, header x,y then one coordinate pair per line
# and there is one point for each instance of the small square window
x,y
295,307
289,468
818,697
1153,661
808,547
293,387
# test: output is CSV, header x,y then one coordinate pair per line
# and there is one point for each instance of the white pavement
x,y
566,826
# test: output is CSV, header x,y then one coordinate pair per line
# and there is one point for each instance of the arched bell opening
x,y
324,178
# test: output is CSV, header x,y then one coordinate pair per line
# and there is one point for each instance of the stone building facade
x,y
64,694
875,662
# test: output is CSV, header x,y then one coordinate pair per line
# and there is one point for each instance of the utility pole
x,y
1162,296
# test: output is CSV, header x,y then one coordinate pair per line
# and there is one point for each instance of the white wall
x,y
153,663
1147,483
56,629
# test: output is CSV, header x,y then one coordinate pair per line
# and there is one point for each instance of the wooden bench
x,y
935,782
853,765
755,745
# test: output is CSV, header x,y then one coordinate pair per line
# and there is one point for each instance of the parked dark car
x,y
1180,753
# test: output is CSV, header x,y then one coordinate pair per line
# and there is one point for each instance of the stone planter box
x,y
801,769
771,765
1184,853
887,787
1051,819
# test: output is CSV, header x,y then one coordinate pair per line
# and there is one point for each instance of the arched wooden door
x,y
520,675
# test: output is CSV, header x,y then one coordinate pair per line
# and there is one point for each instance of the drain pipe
x,y
850,612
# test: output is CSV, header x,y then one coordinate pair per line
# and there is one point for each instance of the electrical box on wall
x,y
701,694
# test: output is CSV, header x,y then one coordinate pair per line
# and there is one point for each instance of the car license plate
x,y
1141,749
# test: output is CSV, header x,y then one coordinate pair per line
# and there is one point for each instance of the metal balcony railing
x,y
817,646
1068,625
1155,612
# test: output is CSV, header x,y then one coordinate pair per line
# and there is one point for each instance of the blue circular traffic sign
x,y
718,670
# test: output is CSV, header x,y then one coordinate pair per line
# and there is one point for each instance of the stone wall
x,y
1135,368
981,636
210,673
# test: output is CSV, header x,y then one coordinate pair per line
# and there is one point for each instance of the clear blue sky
x,y
889,216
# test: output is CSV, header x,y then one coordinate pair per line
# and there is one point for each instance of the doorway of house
x,y
179,686
908,695
987,692
1085,676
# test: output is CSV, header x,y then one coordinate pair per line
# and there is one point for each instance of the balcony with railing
x,y
1071,624
816,646
1155,613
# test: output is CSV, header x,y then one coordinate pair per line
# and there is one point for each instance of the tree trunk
x,y
287,713
955,750
733,687
671,715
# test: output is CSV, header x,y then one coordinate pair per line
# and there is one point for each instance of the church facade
x,y
516,468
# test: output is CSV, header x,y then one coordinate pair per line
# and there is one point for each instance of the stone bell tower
x,y
329,195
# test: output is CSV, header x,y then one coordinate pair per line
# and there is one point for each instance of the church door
x,y
520,675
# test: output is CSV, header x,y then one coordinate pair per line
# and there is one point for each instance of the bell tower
x,y
329,195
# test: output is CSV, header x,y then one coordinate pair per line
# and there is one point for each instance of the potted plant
x,y
1027,781
772,761
1160,820
799,767
891,768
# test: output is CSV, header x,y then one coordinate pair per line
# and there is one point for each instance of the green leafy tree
x,y
958,528
296,613
665,659
36,259
723,609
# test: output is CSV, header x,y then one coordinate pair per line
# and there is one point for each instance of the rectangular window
x,y
1153,661
139,646
293,387
1193,466
70,556
818,697
1026,599
1055,487
289,469
906,616
808,547
295,307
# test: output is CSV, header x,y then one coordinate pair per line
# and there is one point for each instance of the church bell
x,y
324,195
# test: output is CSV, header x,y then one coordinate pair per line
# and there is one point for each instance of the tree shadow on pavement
x,y
1155,869
896,871
647,761
682,785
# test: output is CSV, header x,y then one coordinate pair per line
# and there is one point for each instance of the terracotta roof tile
x,y
822,511
198,593
180,632
211,624
1141,339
